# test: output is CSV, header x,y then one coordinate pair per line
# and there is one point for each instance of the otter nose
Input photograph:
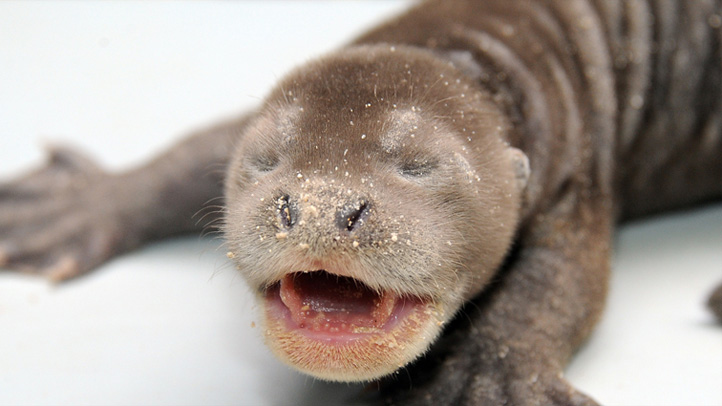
x,y
287,212
352,215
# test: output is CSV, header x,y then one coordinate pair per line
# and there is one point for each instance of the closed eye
x,y
265,163
417,168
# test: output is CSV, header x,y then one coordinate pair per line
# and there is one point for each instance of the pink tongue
x,y
324,302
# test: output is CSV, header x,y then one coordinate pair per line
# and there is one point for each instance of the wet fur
x,y
421,237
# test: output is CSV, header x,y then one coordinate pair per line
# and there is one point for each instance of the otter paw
x,y
481,389
56,221
715,302
475,379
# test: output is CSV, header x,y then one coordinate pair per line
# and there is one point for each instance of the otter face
x,y
372,196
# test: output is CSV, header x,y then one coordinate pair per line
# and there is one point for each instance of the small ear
x,y
520,164
464,61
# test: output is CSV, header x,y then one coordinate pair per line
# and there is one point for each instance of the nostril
x,y
352,216
286,212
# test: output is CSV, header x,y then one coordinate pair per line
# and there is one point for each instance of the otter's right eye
x,y
416,168
265,163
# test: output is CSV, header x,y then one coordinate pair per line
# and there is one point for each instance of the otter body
x,y
637,82
467,156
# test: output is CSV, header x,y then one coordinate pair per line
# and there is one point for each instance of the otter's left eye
x,y
416,168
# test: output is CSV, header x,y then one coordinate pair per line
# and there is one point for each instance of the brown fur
x,y
439,233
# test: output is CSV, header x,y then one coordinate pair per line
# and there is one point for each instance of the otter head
x,y
370,198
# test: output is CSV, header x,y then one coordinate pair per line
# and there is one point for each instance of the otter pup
x,y
383,186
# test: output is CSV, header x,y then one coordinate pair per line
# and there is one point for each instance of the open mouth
x,y
336,309
338,328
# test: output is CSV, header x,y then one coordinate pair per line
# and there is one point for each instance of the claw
x,y
67,157
4,258
65,268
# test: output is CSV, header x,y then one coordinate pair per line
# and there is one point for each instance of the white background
x,y
172,323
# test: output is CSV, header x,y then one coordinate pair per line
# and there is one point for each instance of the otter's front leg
x,y
70,216
510,345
